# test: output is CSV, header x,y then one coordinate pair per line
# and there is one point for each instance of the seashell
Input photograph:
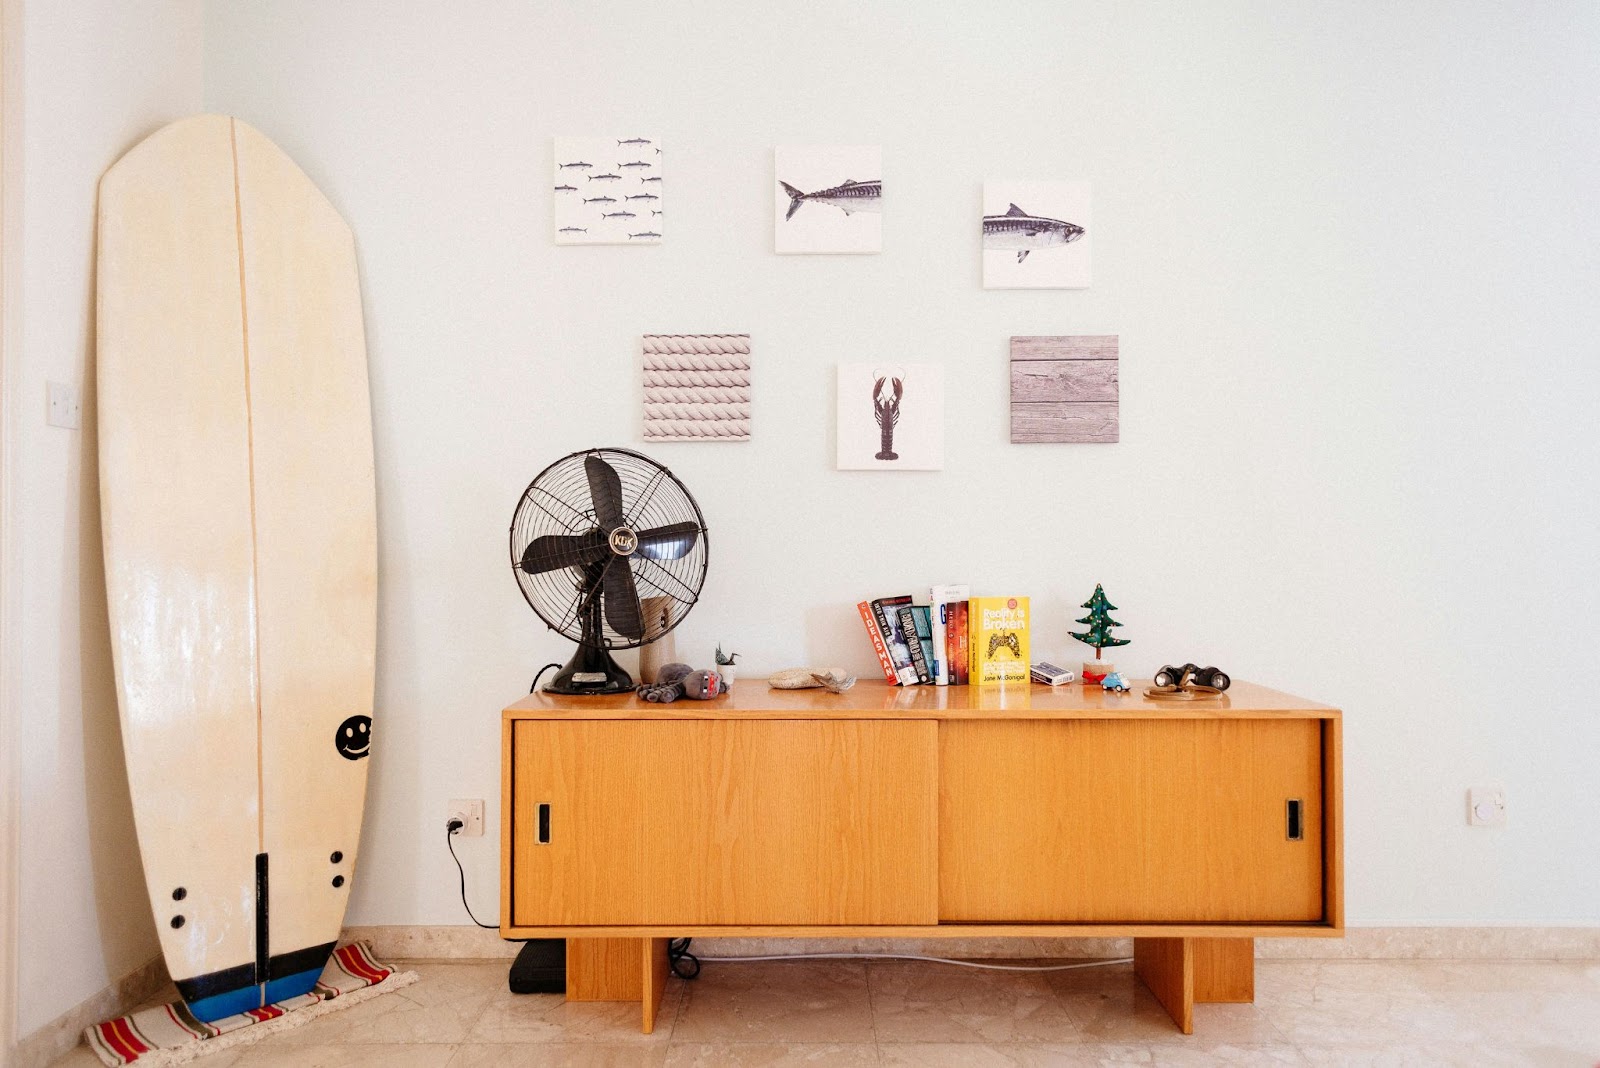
x,y
835,680
794,679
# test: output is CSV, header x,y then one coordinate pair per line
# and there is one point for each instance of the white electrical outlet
x,y
470,813
1486,806
64,405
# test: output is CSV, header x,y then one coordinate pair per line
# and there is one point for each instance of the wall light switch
x,y
1486,806
65,405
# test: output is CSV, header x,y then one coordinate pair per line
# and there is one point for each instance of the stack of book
x,y
952,640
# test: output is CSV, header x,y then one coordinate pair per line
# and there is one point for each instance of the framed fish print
x,y
1036,235
608,190
827,199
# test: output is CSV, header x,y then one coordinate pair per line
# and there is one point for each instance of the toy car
x,y
1114,681
1203,676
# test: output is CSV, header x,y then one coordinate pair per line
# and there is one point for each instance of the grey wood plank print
x,y
1064,389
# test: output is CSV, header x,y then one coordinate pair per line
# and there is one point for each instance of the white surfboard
x,y
236,488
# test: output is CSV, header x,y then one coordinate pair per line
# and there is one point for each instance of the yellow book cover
x,y
999,640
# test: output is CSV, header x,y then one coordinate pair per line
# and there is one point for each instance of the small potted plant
x,y
726,667
1099,622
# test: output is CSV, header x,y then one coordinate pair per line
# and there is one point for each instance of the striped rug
x,y
170,1034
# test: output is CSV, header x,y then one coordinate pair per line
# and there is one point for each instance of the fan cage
x,y
558,501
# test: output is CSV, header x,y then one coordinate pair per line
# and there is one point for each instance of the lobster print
x,y
886,410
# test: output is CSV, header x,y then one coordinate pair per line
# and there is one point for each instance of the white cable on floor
x,y
934,960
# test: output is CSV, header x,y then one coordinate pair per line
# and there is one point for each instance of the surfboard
x,y
239,525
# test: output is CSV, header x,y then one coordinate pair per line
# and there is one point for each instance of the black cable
x,y
677,954
536,678
450,830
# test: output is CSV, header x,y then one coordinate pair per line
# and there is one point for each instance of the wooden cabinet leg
x,y
1224,969
655,972
604,969
1166,967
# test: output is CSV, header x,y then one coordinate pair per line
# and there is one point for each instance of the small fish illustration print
x,y
642,196
652,178
599,200
647,233
617,215
566,189
573,230
636,141
604,177
580,163
849,198
635,163
1019,230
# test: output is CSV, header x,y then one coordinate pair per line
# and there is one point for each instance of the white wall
x,y
1349,249
97,76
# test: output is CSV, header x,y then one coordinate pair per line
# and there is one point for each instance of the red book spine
x,y
960,654
867,617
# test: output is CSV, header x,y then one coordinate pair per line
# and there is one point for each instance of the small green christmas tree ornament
x,y
1099,622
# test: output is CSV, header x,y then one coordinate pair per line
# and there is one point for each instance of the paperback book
x,y
886,611
998,633
940,600
916,625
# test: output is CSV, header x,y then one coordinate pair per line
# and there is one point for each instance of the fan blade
x,y
552,552
623,610
670,542
605,489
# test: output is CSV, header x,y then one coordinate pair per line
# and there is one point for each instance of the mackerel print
x,y
603,185
828,199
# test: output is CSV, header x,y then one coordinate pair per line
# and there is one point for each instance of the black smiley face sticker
x,y
353,737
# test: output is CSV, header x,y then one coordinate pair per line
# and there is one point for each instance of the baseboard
x,y
55,1039
1359,943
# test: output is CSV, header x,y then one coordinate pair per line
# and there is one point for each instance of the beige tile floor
x,y
850,1013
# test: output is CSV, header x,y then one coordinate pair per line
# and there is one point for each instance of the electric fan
x,y
610,550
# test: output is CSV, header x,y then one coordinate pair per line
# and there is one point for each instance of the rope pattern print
x,y
697,387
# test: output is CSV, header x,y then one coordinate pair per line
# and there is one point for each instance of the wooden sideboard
x,y
921,812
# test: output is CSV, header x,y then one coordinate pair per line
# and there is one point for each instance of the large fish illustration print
x,y
1019,230
850,197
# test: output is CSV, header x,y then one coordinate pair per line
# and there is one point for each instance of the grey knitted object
x,y
668,686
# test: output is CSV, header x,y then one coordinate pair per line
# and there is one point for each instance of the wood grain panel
x,y
1064,423
779,822
596,778
1224,969
1066,347
800,822
1166,967
1127,822
604,969
1068,381
656,969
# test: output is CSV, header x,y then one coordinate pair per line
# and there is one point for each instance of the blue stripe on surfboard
x,y
292,986
214,1008
231,1003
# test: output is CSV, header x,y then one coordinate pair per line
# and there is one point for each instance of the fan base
x,y
591,672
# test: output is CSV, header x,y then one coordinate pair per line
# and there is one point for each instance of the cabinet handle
x,y
544,824
1296,825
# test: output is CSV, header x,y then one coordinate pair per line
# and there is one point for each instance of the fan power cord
x,y
535,687
684,965
931,960
451,829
